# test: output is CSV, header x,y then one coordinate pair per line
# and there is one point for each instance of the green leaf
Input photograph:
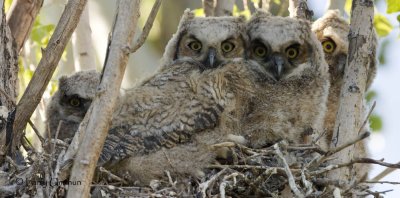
x,y
278,2
370,95
382,25
199,12
375,122
392,6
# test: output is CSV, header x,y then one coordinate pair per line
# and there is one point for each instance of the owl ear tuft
x,y
62,83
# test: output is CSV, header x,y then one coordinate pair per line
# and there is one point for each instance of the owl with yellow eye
x,y
70,103
292,88
332,31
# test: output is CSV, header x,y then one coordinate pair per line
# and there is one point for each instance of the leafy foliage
x,y
382,25
393,6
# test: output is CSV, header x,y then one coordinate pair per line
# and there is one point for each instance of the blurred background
x,y
385,139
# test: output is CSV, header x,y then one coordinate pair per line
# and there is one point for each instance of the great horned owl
x,y
332,31
293,89
167,116
207,40
70,103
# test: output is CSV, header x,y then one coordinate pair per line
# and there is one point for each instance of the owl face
x,y
284,47
332,30
209,41
76,93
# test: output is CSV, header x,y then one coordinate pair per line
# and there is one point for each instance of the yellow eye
x,y
292,52
260,51
329,46
227,46
195,45
75,102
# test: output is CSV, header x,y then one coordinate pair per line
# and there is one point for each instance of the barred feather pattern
x,y
172,106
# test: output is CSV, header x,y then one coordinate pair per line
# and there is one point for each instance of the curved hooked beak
x,y
278,65
211,61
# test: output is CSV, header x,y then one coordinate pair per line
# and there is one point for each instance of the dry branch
x,y
350,114
299,9
224,8
147,27
20,19
208,6
47,65
105,100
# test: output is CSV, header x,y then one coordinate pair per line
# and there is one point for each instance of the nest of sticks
x,y
280,170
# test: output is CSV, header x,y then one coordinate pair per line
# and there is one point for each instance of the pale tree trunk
x,y
47,65
208,6
336,5
20,18
8,79
350,116
82,44
299,9
224,8
104,103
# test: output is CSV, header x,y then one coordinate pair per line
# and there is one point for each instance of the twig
x,y
383,174
299,9
203,186
381,182
112,176
367,118
291,180
147,27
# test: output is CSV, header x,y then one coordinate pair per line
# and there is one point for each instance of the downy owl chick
x,y
70,103
207,40
293,89
332,31
165,118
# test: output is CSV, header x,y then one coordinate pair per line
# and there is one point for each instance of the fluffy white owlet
x,y
332,31
292,91
70,103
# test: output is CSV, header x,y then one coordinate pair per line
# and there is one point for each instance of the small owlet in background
x,y
164,119
332,31
292,91
70,103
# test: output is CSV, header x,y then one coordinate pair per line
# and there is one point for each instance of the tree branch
x,y
299,9
350,114
147,27
208,6
106,98
20,19
47,65
224,8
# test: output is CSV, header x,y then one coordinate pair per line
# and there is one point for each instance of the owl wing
x,y
164,111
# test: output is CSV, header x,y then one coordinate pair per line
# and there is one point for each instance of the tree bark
x,y
224,8
105,101
350,114
47,65
82,44
8,78
208,6
20,18
299,9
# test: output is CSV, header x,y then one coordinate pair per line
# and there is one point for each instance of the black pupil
x,y
195,46
227,47
291,52
260,51
328,46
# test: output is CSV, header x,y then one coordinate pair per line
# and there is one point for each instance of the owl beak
x,y
277,69
211,61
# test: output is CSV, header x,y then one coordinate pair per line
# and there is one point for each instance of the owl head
x,y
208,40
332,30
285,47
71,102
